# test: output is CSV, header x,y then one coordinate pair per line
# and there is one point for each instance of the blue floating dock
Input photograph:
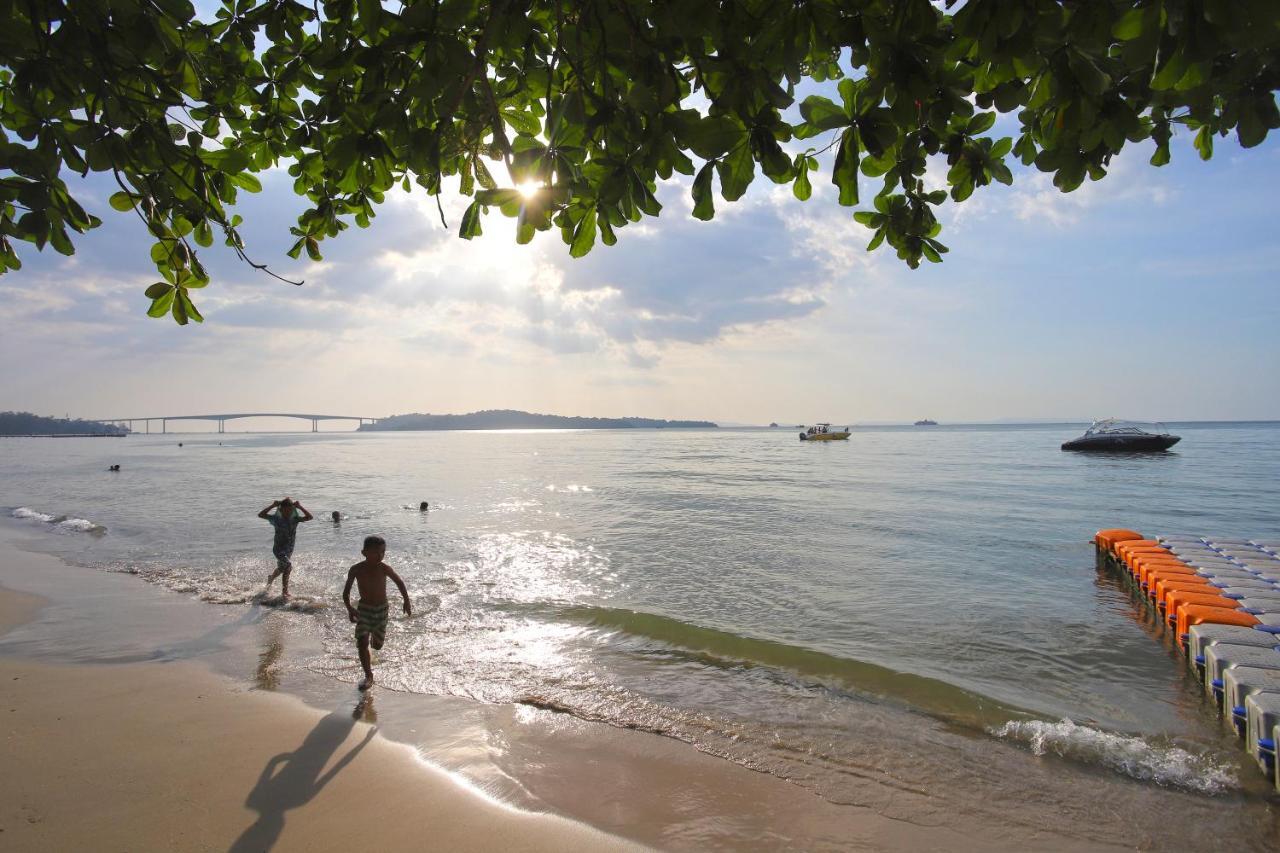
x,y
1223,603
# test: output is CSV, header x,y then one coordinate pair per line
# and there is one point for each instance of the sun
x,y
529,189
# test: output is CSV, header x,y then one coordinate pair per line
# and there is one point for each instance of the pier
x,y
1221,599
222,419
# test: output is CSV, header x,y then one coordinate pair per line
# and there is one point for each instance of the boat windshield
x,y
1112,426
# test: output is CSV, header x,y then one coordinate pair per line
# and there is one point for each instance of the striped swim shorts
x,y
371,622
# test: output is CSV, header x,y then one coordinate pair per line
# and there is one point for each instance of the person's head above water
x,y
337,516
286,507
423,506
375,547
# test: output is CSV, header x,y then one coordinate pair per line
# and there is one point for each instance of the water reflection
x,y
267,676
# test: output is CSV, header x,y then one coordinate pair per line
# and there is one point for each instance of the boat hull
x,y
1122,443
827,436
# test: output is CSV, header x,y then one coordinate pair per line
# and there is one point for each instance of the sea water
x,y
887,621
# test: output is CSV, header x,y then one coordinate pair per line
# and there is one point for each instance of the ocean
x,y
911,621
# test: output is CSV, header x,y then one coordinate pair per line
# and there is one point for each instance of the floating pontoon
x,y
1221,597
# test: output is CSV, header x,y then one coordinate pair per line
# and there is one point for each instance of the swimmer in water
x,y
337,517
422,507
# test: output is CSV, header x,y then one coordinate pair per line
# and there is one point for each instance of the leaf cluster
x,y
592,103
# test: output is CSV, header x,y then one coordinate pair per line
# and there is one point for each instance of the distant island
x,y
926,422
25,423
512,419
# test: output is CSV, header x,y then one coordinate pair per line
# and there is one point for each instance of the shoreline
x,y
128,638
592,784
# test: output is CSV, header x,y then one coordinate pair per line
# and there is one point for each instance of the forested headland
x,y
25,423
513,419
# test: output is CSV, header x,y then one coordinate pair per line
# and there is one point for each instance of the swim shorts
x,y
371,622
284,563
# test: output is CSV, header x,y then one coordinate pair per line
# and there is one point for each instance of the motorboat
x,y
926,422
824,432
1112,435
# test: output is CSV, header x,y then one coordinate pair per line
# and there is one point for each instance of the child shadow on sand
x,y
293,779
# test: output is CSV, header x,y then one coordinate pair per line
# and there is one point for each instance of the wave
x,y
34,515
1134,757
62,522
930,696
1130,756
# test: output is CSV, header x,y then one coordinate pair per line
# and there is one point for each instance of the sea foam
x,y
62,522
1131,756
34,515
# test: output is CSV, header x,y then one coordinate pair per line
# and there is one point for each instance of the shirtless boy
x,y
370,615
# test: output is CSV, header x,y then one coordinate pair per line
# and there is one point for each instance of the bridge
x,y
222,419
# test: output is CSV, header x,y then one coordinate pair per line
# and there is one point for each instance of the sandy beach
x,y
120,748
172,757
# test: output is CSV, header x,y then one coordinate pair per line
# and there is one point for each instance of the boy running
x,y
370,615
285,521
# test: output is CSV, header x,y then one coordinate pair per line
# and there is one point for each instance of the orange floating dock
x,y
1221,598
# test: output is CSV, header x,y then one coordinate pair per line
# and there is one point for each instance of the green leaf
x,y
736,172
188,307
1204,142
470,222
178,310
980,123
1170,72
161,304
370,12
713,136
845,173
121,201
247,182
802,188
160,288
850,90
506,200
203,233
704,205
584,236
522,122
1130,24
820,115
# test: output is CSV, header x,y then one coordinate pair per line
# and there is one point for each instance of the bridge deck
x,y
234,415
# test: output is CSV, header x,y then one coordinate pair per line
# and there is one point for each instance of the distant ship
x,y
773,425
926,422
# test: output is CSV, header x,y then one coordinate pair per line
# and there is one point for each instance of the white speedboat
x,y
824,432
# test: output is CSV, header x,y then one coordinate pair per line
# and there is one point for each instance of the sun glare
x,y
529,188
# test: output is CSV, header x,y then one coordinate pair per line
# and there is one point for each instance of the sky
x,y
1152,294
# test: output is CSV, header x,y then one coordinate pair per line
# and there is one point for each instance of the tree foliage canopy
x,y
592,102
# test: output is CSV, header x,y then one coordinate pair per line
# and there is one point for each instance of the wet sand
x,y
18,608
173,757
